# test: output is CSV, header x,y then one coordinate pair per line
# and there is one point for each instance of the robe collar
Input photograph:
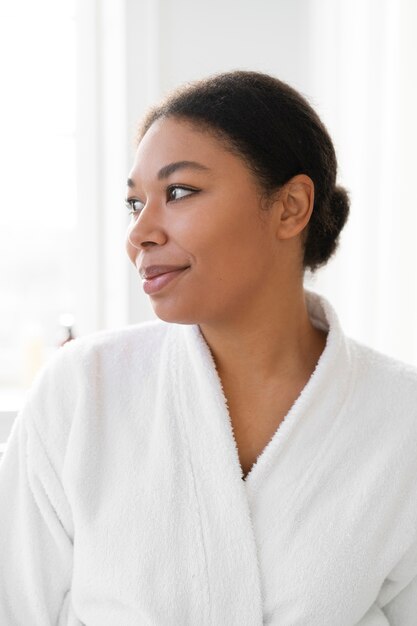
x,y
224,499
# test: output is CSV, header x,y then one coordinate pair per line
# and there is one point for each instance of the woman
x,y
121,487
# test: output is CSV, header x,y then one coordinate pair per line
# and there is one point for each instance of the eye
x,y
133,205
177,192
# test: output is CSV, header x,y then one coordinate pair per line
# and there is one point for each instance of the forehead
x,y
169,140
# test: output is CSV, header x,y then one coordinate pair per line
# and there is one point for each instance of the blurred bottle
x,y
66,321
33,352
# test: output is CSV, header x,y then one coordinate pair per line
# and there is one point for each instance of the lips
x,y
155,279
156,270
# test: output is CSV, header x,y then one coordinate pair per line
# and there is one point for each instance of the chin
x,y
174,315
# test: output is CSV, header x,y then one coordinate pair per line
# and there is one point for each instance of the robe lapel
x,y
225,518
301,437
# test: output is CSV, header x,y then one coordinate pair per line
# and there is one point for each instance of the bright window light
x,y
38,196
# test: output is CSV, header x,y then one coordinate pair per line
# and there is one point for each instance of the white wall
x,y
198,38
364,85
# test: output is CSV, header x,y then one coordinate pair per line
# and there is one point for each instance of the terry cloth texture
x,y
122,500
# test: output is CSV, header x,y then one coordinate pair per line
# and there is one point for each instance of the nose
x,y
145,230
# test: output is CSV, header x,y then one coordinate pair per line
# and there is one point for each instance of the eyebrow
x,y
169,169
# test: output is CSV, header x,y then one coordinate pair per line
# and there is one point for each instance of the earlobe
x,y
297,205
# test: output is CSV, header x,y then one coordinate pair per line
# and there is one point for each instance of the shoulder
x,y
142,335
91,373
97,360
114,348
389,375
384,393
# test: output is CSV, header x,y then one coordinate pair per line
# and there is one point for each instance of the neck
x,y
275,342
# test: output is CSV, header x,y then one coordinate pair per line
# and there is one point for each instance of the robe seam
x,y
42,446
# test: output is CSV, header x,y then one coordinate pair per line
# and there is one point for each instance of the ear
x,y
296,201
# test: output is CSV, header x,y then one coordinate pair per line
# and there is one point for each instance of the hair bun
x,y
325,227
339,206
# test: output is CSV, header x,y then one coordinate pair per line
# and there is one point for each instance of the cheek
x,y
230,251
237,237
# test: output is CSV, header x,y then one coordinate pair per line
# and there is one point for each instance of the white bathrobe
x,y
122,501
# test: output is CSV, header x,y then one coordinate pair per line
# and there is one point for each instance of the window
x,y
38,195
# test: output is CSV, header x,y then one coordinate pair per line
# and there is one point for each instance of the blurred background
x,y
77,76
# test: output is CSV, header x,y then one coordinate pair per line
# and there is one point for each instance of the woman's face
x,y
204,215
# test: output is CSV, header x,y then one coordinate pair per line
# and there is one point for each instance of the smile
x,y
152,285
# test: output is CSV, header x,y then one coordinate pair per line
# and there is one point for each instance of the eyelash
x,y
130,201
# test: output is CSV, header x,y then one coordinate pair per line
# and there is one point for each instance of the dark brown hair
x,y
278,134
